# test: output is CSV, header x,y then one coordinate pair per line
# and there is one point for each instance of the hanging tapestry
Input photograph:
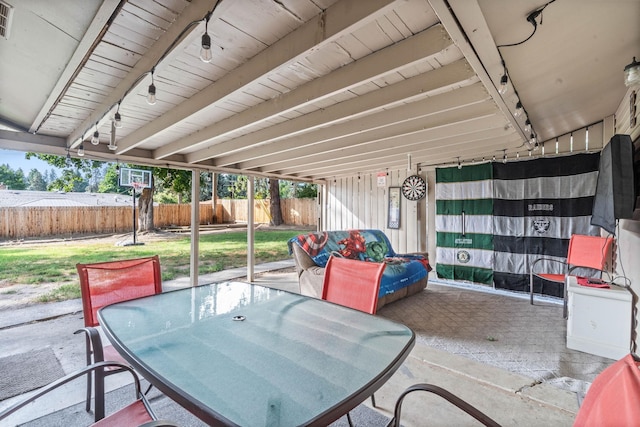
x,y
537,206
464,223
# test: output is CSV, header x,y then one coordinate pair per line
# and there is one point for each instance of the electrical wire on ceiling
x,y
532,141
180,36
531,18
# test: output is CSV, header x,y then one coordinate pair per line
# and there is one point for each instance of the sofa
x,y
404,275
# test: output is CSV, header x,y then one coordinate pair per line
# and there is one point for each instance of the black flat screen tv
x,y
616,192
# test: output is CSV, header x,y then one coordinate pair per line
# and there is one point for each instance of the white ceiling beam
x,y
433,135
437,156
387,123
413,49
78,58
196,10
463,129
336,21
451,24
445,78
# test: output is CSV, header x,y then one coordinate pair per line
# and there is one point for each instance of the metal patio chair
x,y
590,252
106,283
450,397
354,284
136,413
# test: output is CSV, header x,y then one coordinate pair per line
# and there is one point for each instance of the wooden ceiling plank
x,y
195,11
377,124
93,31
380,63
338,19
432,137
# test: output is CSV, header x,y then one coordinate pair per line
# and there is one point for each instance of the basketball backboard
x,y
138,178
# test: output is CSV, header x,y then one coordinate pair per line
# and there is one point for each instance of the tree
x,y
275,210
76,173
111,181
13,180
36,181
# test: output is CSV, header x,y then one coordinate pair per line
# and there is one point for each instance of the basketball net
x,y
137,187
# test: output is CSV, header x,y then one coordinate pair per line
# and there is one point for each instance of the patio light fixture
x,y
632,73
95,139
205,51
117,118
81,150
151,95
503,80
519,110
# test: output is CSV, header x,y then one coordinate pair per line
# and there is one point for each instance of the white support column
x,y
195,226
214,196
250,228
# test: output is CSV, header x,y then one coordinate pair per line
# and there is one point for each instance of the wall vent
x,y
6,12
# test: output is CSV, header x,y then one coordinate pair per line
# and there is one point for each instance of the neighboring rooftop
x,y
22,198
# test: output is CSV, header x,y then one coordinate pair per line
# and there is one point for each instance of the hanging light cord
x,y
205,18
531,18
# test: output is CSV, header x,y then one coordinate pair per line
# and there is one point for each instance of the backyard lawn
x,y
38,263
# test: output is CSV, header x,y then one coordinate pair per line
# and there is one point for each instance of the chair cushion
x,y
612,398
552,277
134,414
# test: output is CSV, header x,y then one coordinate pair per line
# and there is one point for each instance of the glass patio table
x,y
234,353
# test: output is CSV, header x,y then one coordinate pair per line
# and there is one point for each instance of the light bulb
x,y
81,150
532,140
151,96
118,120
519,110
503,85
95,139
504,160
205,51
527,126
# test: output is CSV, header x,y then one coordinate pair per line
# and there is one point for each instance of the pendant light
x,y
151,95
95,139
632,73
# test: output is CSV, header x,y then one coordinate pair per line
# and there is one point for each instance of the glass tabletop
x,y
241,354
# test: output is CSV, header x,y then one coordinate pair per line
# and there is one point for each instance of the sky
x,y
16,159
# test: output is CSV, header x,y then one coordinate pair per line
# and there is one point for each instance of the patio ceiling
x,y
308,89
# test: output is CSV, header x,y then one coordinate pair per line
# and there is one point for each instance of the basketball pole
x,y
133,190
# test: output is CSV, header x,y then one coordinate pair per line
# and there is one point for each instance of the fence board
x,y
25,222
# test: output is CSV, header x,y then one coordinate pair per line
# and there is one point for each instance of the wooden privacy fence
x,y
24,222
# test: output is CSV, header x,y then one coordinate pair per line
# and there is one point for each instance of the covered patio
x,y
355,96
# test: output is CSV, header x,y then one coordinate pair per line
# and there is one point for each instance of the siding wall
x,y
358,202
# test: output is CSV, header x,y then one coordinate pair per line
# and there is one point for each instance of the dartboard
x,y
414,188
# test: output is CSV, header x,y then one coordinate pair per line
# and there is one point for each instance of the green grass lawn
x,y
42,263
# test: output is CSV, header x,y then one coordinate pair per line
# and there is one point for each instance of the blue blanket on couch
x,y
365,245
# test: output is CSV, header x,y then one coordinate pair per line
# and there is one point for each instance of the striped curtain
x,y
464,223
538,204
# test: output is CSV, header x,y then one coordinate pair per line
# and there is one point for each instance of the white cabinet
x,y
599,320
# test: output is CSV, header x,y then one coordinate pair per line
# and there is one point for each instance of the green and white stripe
x,y
464,223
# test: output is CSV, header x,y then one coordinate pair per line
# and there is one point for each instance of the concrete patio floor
x,y
490,363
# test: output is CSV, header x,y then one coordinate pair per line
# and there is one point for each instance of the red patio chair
x,y
612,399
590,252
107,283
354,284
137,413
